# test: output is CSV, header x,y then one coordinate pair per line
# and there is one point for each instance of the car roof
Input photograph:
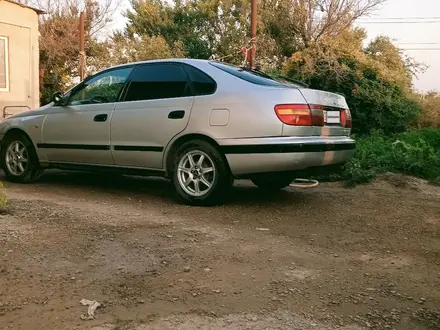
x,y
190,61
167,60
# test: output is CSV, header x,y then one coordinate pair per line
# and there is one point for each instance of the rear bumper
x,y
279,154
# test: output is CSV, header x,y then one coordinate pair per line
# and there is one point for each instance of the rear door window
x,y
158,81
202,83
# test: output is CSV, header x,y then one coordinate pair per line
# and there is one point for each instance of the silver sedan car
x,y
199,123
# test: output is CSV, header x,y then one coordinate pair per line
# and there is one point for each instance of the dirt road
x,y
326,258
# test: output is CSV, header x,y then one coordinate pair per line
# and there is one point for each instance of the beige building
x,y
19,58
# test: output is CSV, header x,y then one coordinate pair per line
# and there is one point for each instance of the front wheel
x,y
200,174
19,159
273,182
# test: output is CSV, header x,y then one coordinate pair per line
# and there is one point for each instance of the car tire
x,y
200,174
19,159
273,182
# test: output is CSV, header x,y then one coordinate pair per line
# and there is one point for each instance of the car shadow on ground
x,y
244,192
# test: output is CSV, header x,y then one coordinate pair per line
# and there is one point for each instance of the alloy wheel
x,y
196,173
17,158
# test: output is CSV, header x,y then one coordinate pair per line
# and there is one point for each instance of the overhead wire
x,y
401,18
399,22
421,49
406,20
418,43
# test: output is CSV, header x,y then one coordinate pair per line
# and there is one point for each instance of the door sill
x,y
105,168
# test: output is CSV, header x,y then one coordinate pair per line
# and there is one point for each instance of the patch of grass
x,y
415,153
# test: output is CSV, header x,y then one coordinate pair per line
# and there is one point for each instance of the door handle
x,y
177,114
101,117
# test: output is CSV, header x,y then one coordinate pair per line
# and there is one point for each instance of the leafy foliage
x,y
202,28
430,103
416,152
221,28
125,50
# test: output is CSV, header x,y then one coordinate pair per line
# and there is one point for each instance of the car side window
x,y
202,83
103,88
158,81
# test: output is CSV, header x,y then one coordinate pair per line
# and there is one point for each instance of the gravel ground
x,y
323,258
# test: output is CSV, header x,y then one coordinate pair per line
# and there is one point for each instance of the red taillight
x,y
300,114
317,113
346,118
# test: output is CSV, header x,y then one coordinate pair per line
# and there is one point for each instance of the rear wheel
x,y
200,174
19,159
273,181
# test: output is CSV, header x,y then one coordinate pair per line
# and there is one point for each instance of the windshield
x,y
254,76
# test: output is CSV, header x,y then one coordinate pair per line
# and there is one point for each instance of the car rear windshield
x,y
250,76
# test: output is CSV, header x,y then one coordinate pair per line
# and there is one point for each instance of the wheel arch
x,y
174,146
16,131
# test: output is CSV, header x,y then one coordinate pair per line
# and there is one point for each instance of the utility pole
x,y
253,32
82,53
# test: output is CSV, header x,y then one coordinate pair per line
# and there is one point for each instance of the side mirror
x,y
58,98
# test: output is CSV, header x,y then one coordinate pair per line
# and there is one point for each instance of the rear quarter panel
x,y
250,108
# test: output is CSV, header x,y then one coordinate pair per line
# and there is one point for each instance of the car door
x,y
79,131
156,107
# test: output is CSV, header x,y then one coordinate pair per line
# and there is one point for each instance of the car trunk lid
x,y
337,117
326,99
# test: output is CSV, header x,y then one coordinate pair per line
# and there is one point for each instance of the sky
x,y
419,37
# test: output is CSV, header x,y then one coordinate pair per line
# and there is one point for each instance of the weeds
x,y
415,153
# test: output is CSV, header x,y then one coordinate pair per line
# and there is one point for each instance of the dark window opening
x,y
158,81
202,83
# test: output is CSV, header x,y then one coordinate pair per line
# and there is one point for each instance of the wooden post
x,y
82,54
253,31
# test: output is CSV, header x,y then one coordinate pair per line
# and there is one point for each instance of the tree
x,y
174,23
222,28
392,62
295,24
204,27
141,48
430,103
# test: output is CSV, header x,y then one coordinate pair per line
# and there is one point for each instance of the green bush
x,y
415,153
381,105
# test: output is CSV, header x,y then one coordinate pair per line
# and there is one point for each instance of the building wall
x,y
20,26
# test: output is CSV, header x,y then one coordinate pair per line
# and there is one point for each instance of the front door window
x,y
103,88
